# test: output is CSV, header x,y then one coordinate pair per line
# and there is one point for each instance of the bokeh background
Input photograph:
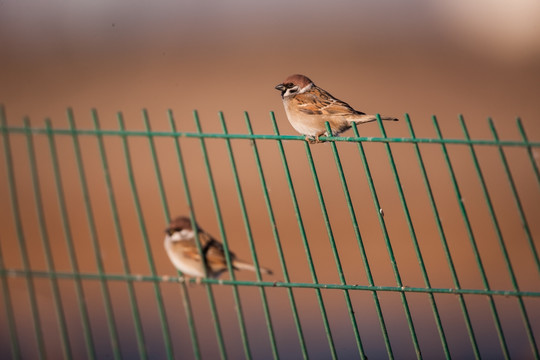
x,y
480,59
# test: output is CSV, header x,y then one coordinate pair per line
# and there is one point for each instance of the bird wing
x,y
321,102
213,252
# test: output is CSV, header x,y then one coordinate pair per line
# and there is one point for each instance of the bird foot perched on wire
x,y
188,279
314,139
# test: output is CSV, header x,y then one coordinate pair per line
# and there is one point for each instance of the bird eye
x,y
171,231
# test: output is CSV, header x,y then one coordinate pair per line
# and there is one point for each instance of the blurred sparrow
x,y
308,107
183,253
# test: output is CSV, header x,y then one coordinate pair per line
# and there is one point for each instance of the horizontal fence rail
x,y
145,133
479,299
147,278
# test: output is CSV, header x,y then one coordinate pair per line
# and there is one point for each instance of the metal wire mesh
x,y
435,321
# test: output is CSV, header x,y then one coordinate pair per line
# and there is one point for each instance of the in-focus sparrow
x,y
183,253
308,107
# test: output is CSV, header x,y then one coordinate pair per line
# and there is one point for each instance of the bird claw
x,y
191,280
314,139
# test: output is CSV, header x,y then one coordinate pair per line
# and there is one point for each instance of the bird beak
x,y
280,87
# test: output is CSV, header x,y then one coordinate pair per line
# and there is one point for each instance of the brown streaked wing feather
x,y
188,248
213,252
320,102
205,239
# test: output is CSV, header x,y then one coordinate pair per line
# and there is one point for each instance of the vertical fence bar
x,y
120,240
517,200
8,306
356,229
419,256
236,295
185,295
85,318
304,238
217,208
334,250
384,229
239,312
93,236
389,244
472,241
500,240
363,254
415,240
529,150
164,204
6,294
155,163
277,240
66,347
249,234
537,175
68,234
146,244
38,331
444,243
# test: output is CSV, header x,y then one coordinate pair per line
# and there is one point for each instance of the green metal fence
x,y
395,320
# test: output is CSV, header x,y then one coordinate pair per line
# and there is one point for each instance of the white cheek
x,y
296,90
305,88
182,235
289,92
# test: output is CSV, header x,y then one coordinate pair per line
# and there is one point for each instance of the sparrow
x,y
308,107
184,255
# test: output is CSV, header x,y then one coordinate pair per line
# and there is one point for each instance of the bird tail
x,y
364,118
240,265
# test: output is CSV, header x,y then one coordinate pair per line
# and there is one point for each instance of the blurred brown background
x,y
420,57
